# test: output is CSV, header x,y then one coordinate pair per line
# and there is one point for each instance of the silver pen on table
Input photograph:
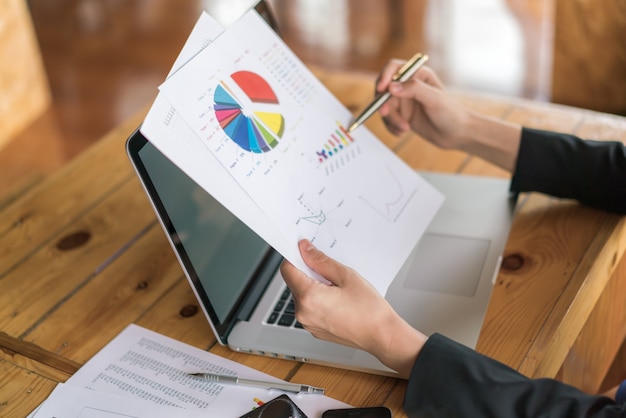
x,y
284,386
404,73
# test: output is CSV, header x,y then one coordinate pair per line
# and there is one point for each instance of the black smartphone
x,y
280,407
368,412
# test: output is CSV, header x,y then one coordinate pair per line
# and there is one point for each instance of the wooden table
x,y
82,256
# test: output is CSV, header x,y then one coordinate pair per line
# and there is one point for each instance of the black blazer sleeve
x,y
561,165
451,380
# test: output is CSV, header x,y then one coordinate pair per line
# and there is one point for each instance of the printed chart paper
x,y
166,129
69,401
148,366
294,170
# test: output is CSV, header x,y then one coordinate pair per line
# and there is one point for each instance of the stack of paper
x,y
144,374
243,117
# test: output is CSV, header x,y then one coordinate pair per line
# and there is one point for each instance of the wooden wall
x,y
589,68
23,83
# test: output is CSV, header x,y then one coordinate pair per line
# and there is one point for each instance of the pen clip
x,y
406,66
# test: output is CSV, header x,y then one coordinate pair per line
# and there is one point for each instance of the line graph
x,y
322,216
387,194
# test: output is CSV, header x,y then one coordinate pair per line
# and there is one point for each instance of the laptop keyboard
x,y
284,312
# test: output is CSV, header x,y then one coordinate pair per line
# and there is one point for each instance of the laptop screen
x,y
227,264
220,253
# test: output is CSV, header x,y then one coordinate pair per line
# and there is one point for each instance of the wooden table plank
x,y
395,400
587,365
117,296
72,256
178,315
56,203
560,260
32,357
21,390
543,250
19,188
599,126
355,388
578,299
281,368
539,116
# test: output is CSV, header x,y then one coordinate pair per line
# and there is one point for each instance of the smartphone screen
x,y
369,412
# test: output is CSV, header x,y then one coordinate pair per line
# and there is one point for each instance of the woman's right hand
x,y
421,104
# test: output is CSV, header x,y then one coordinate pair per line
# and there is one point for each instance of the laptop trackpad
x,y
447,264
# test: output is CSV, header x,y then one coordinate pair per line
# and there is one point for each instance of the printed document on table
x,y
70,401
143,364
276,130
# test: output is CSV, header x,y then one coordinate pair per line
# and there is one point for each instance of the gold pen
x,y
404,73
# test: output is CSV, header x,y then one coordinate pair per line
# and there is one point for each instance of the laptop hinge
x,y
263,276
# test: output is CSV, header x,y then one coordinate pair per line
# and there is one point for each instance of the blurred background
x,y
101,61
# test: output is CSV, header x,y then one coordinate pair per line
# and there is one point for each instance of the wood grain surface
x,y
82,256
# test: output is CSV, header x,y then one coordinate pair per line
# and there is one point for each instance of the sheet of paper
x,y
280,134
203,33
142,364
163,123
69,401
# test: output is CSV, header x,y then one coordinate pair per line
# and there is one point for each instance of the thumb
x,y
295,279
415,89
319,262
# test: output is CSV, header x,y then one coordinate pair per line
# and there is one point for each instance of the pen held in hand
x,y
284,386
404,73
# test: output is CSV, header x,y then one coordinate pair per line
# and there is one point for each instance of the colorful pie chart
x,y
260,128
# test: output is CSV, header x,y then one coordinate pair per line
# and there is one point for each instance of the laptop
x,y
443,287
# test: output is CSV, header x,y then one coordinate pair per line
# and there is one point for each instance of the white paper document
x,y
163,123
140,365
203,33
253,126
74,401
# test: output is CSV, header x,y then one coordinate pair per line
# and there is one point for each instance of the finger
x,y
417,90
394,117
400,111
428,76
424,74
296,279
319,262
396,124
387,74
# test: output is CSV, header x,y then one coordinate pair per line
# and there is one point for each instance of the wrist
x,y
398,344
494,140
620,393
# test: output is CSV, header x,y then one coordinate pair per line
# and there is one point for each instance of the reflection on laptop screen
x,y
223,251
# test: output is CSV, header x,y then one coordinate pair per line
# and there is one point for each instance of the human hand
x,y
423,105
350,311
617,393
